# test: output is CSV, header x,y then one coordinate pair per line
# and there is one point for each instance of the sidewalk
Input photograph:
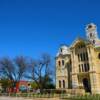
x,y
20,98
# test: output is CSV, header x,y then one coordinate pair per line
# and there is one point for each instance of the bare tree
x,y
7,68
13,70
41,70
21,64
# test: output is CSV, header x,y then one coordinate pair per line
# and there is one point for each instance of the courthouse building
x,y
78,65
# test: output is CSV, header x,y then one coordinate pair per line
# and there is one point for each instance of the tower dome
x,y
63,50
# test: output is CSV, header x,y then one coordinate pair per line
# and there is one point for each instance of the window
x,y
88,68
81,55
79,68
90,26
81,46
59,63
78,57
85,68
61,50
63,83
93,41
63,63
86,56
82,67
99,55
90,35
59,84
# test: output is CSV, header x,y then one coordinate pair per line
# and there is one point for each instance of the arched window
x,y
61,50
93,41
63,63
63,83
59,63
90,26
59,84
99,55
90,35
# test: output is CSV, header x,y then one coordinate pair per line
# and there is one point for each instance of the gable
x,y
79,41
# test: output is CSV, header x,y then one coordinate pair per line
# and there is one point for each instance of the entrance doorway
x,y
86,85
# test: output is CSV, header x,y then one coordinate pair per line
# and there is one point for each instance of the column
x,y
74,70
93,75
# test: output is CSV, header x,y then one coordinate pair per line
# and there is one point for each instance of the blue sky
x,y
32,27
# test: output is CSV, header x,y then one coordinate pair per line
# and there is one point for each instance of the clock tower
x,y
92,34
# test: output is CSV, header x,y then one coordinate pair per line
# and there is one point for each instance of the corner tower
x,y
63,68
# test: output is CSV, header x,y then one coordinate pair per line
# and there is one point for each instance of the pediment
x,y
78,41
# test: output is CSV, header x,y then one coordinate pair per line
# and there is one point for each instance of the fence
x,y
52,94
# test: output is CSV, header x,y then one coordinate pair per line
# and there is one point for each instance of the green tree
x,y
5,83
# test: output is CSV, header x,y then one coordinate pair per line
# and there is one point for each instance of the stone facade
x,y
78,66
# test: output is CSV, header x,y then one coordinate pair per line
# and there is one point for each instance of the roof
x,y
63,50
80,39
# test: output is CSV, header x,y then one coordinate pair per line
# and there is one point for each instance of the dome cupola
x,y
63,50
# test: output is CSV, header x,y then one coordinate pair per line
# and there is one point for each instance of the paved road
x,y
16,98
